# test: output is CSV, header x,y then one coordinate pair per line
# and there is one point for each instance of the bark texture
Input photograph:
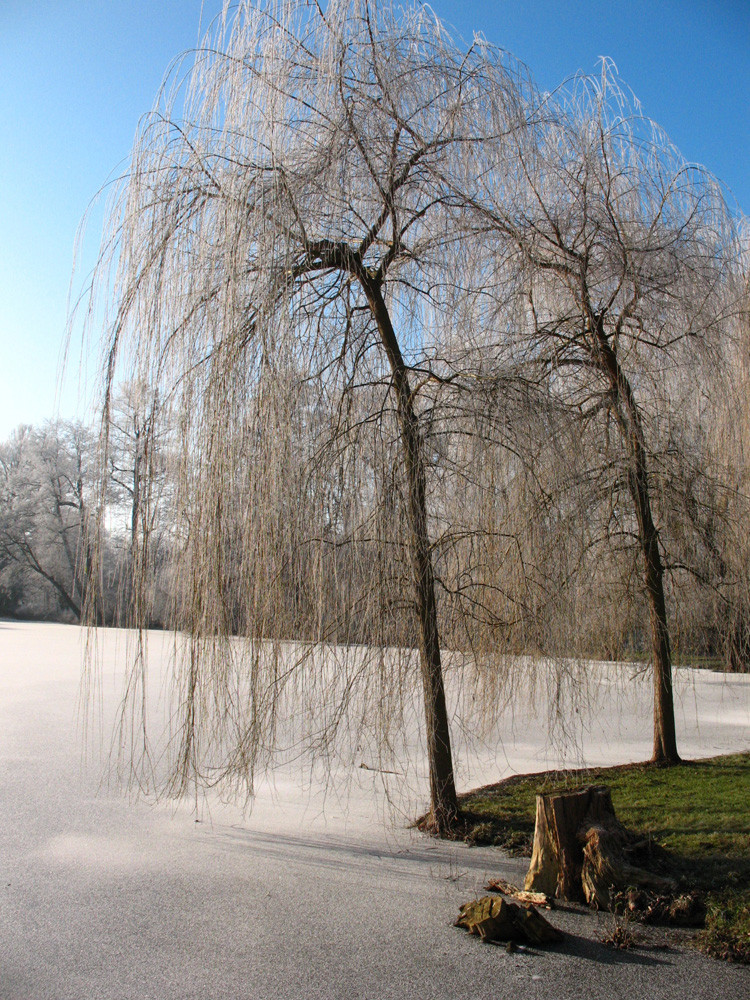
x,y
493,919
557,857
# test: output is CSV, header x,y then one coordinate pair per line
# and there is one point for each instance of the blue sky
x,y
75,76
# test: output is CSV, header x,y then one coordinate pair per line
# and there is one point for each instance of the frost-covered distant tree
x,y
128,453
45,477
138,453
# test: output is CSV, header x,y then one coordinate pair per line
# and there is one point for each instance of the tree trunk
x,y
665,737
443,800
629,421
68,599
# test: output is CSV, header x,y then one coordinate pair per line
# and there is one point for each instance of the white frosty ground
x,y
317,892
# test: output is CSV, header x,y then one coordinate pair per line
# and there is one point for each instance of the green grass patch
x,y
727,933
699,811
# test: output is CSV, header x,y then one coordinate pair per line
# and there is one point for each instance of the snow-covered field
x,y
319,890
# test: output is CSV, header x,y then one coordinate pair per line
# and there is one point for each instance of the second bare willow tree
x,y
625,261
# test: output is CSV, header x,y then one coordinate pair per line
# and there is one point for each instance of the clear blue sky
x,y
75,76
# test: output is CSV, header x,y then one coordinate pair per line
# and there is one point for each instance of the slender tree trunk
x,y
91,604
665,738
443,801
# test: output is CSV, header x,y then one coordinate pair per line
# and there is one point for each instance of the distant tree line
x,y
49,478
557,573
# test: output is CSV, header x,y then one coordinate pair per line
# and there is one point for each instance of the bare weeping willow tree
x,y
284,273
426,341
713,503
626,264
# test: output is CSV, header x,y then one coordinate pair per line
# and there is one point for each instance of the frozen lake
x,y
320,890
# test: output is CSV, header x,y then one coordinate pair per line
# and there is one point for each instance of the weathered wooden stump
x,y
492,919
557,856
581,850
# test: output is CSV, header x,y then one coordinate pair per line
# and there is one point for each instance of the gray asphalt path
x,y
104,899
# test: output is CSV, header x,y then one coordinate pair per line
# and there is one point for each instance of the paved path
x,y
106,899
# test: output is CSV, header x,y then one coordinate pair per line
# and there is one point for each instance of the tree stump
x,y
583,853
493,919
557,858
